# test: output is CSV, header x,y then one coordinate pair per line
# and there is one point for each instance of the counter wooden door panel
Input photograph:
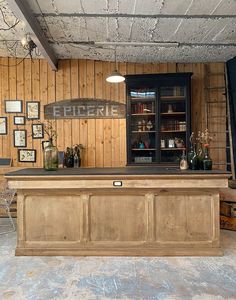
x,y
52,218
117,218
186,217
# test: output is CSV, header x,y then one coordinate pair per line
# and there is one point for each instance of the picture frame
x,y
27,155
45,144
19,138
3,125
37,131
19,120
13,106
32,110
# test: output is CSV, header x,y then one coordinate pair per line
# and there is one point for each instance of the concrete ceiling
x,y
93,29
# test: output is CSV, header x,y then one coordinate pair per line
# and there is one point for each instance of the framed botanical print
x,y
13,106
3,125
37,131
19,138
32,110
19,120
27,155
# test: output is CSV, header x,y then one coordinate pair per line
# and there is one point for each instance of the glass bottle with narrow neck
x,y
206,161
183,162
193,159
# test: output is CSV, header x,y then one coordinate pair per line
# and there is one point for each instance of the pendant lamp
x,y
115,76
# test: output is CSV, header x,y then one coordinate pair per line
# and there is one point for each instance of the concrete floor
x,y
43,278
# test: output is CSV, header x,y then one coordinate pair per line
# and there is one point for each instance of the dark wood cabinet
x,y
158,118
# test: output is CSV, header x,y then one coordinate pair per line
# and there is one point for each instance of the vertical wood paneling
x,y
59,96
20,94
107,123
99,160
67,95
43,94
28,97
104,140
83,133
8,143
6,140
36,95
90,150
74,95
121,86
222,114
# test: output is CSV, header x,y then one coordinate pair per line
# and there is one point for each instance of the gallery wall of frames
x,y
27,87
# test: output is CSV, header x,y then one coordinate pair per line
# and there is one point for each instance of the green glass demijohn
x,y
50,157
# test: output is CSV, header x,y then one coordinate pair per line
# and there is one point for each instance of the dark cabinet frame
x,y
157,81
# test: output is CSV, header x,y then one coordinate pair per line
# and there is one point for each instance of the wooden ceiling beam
x,y
22,11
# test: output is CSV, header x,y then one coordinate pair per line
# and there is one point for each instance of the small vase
x,y
206,161
50,157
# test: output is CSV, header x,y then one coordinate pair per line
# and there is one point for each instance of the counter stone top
x,y
113,171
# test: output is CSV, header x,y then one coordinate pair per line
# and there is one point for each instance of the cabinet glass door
x,y
143,125
172,123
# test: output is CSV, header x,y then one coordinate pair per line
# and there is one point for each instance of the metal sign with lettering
x,y
85,109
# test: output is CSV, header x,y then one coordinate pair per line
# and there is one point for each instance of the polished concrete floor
x,y
34,278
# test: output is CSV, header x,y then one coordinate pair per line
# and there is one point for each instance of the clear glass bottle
x,y
76,160
183,165
50,157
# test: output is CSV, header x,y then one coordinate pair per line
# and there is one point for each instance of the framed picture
x,y
45,144
13,106
32,110
26,155
19,120
3,125
19,138
37,131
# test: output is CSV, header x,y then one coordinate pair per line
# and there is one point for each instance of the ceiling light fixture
x,y
115,76
28,44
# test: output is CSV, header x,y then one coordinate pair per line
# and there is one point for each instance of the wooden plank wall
x,y
104,139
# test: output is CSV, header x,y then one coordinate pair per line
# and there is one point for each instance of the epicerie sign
x,y
85,109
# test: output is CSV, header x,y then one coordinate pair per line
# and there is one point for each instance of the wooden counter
x,y
118,211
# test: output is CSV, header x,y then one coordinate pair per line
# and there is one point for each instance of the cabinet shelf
x,y
144,114
166,131
144,131
172,149
174,113
172,98
142,99
146,149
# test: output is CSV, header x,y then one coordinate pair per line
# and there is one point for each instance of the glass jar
x,y
206,161
50,157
